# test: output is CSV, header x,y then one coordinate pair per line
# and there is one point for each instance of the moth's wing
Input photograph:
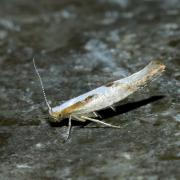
x,y
94,103
105,96
81,104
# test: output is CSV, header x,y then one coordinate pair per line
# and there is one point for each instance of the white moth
x,y
84,107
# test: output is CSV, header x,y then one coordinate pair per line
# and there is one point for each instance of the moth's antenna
x,y
42,86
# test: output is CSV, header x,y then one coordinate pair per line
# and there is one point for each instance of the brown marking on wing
x,y
157,64
155,68
72,108
89,98
131,87
111,84
66,112
76,106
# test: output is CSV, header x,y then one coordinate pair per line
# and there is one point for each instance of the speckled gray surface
x,y
78,46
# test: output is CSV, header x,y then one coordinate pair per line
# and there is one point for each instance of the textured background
x,y
79,45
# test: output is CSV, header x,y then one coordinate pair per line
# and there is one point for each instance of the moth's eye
x,y
60,116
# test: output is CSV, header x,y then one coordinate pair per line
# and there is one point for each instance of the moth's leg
x,y
99,122
69,128
113,108
77,118
95,114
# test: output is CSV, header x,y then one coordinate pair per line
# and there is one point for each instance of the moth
x,y
84,107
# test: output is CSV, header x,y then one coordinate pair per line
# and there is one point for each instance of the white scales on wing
x,y
94,94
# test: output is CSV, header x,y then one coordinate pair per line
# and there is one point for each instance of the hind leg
x,y
99,122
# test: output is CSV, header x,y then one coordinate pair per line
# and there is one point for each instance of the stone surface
x,y
79,45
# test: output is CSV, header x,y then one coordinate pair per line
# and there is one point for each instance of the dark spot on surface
x,y
174,42
169,157
4,138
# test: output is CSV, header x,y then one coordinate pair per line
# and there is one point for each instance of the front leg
x,y
69,128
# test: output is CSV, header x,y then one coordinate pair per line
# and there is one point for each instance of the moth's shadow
x,y
107,113
120,109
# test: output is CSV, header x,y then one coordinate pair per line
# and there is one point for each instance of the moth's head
x,y
56,116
